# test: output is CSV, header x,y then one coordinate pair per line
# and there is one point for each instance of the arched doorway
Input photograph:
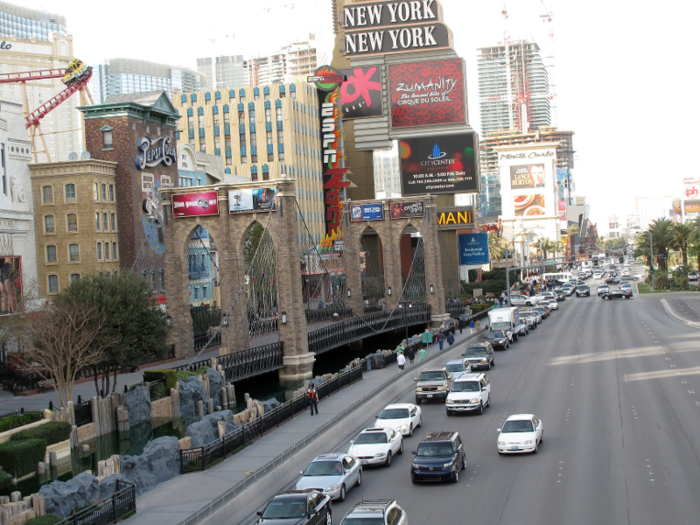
x,y
412,256
204,289
372,270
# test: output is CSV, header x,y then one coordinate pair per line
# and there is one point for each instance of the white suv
x,y
469,392
523,300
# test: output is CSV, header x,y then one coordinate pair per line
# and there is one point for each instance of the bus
x,y
559,277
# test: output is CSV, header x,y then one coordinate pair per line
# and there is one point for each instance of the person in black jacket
x,y
410,355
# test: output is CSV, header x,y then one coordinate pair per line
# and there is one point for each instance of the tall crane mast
x,y
548,18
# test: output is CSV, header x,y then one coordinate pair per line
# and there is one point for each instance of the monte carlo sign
x,y
381,28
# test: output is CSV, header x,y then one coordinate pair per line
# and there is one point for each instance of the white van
x,y
504,319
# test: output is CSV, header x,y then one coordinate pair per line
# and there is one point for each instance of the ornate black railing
x,y
83,413
344,332
327,314
456,308
109,510
17,382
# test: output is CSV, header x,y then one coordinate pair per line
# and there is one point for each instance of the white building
x,y
17,241
653,208
387,172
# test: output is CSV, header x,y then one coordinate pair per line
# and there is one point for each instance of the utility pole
x,y
651,260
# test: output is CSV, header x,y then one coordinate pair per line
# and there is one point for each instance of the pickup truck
x,y
433,384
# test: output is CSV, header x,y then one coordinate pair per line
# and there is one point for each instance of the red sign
x,y
427,93
562,210
195,204
333,183
691,192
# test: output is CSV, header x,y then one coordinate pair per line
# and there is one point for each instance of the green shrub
x,y
169,374
182,375
47,519
16,421
53,432
158,392
476,308
5,481
20,457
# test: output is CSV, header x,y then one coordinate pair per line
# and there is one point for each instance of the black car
x,y
297,507
498,339
583,291
439,457
617,294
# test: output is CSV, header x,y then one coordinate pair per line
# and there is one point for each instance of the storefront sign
x,y
333,185
455,218
527,176
361,93
473,248
367,212
491,228
155,151
691,206
427,93
691,187
5,45
547,154
445,164
195,204
529,205
402,210
562,211
379,14
326,78
258,199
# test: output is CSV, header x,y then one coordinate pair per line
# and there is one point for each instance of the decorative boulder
x,y
270,404
216,383
61,497
159,462
138,403
191,391
109,485
207,430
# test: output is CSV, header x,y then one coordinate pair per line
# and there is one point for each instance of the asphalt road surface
x,y
617,386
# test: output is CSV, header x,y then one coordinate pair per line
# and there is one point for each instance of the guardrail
x,y
109,510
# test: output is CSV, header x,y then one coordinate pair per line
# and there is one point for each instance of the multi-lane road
x,y
617,385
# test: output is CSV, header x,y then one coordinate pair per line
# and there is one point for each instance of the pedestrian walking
x,y
441,340
450,339
472,326
460,322
313,399
421,354
401,360
410,355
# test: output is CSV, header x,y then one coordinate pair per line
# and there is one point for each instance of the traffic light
x,y
665,256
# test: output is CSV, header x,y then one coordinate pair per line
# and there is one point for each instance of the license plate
x,y
430,395
364,462
514,448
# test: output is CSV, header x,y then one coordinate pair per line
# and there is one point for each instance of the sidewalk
x,y
181,497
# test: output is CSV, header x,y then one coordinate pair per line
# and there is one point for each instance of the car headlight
x,y
449,401
484,360
441,388
529,442
413,465
331,488
448,465
500,341
501,442
474,400
404,426
383,455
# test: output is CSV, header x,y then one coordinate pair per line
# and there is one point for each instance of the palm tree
x,y
572,230
682,233
496,246
663,237
546,246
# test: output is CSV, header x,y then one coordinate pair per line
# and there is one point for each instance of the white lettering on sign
x,y
328,127
531,155
408,38
387,13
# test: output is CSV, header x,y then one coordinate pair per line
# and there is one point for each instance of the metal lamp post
x,y
651,261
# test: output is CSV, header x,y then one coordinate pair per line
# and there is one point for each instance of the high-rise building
x,y
263,133
490,196
297,59
513,88
222,72
387,171
27,24
124,76
653,208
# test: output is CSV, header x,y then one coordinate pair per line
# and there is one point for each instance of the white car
x,y
402,417
469,392
520,433
552,303
597,275
376,446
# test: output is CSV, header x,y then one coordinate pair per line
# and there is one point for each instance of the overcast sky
x,y
625,76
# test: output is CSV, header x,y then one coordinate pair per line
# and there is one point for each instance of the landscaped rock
x,y
270,404
191,391
207,430
159,462
216,383
109,485
61,497
138,403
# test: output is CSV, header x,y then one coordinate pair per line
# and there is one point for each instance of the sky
x,y
625,72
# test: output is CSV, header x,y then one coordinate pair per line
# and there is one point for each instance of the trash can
x,y
368,360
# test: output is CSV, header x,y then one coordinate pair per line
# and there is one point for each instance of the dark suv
x,y
440,457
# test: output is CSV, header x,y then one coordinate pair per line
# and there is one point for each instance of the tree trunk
x,y
684,251
97,385
116,371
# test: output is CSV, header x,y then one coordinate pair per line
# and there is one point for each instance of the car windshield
x,y
455,367
324,468
435,375
371,438
394,413
495,334
477,350
363,521
524,425
285,509
466,386
581,287
434,449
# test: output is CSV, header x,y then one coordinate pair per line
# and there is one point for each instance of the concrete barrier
x,y
251,494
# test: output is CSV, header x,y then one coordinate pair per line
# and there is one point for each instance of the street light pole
x,y
651,261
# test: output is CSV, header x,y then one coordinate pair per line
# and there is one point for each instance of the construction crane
x,y
548,18
76,77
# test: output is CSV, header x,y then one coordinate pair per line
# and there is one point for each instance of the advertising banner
x,y
361,93
401,210
11,287
473,248
691,206
445,164
367,212
562,211
195,204
333,185
258,199
455,218
427,93
527,176
529,205
691,187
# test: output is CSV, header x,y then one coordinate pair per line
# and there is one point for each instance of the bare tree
x,y
63,340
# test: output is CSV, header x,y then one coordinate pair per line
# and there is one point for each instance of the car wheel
x,y
535,451
542,438
342,493
413,480
493,363
447,411
528,303
401,447
464,463
417,401
626,297
481,408
488,367
329,518
420,422
410,431
488,401
359,479
455,476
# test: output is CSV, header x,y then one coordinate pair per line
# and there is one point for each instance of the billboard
x,y
529,205
691,206
10,283
455,218
367,212
445,164
361,93
257,199
562,211
473,248
427,93
195,204
402,210
527,176
691,187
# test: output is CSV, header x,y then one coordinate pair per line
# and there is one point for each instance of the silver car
x,y
458,367
332,474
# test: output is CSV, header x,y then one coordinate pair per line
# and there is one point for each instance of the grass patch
x,y
646,288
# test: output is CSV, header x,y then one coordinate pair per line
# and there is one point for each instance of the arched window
x,y
70,192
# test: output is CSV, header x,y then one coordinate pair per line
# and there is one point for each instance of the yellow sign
x,y
446,218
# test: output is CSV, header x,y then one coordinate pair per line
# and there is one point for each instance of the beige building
x,y
263,133
75,221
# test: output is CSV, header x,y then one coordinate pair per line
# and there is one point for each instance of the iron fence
x,y
109,510
83,413
327,314
18,383
456,308
201,458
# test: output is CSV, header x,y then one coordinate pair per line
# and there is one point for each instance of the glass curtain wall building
x,y
29,24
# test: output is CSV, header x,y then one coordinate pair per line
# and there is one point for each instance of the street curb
x,y
280,467
678,318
